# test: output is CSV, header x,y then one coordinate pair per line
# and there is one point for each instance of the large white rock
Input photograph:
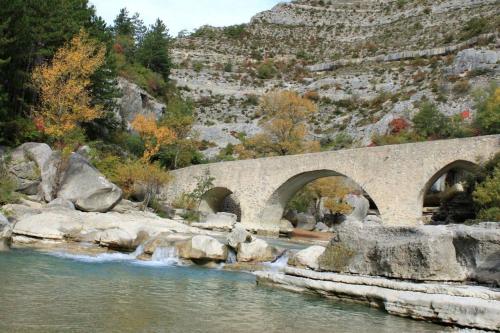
x,y
119,239
360,206
87,188
202,248
307,258
442,253
50,225
61,203
5,232
257,250
26,163
238,235
467,306
221,220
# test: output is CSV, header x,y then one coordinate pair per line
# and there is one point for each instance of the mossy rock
x,y
336,258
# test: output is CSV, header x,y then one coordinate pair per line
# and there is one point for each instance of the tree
x,y
180,119
154,136
488,112
153,52
63,85
35,30
334,191
430,123
285,116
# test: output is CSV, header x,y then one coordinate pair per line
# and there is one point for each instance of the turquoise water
x,y
115,293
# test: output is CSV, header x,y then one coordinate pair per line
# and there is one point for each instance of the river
x,y
57,292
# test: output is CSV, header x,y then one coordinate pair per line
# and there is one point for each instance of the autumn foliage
x,y
285,116
63,87
153,135
334,190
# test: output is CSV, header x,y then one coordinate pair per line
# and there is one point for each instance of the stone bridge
x,y
396,177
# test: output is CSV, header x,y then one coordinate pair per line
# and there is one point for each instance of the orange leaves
x,y
286,114
154,136
64,86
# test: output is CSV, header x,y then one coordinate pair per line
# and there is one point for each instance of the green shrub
x,y
488,111
266,70
487,196
430,123
475,26
235,31
197,66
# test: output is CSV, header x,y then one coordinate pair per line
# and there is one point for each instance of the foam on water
x,y
161,257
279,263
103,257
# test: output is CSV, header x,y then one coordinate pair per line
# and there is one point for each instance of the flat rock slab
x,y
474,307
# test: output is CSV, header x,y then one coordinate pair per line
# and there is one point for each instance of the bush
x,y
461,87
137,174
430,123
488,112
475,26
266,70
487,196
235,31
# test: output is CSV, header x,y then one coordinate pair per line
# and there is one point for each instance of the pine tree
x,y
154,51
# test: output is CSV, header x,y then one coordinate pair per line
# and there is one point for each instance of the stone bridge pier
x,y
396,177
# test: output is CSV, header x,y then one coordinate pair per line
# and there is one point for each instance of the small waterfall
x,y
231,257
138,251
280,263
166,255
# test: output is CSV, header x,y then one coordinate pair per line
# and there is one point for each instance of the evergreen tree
x,y
154,52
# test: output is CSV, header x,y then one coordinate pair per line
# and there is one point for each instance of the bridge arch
x,y
277,202
220,199
441,181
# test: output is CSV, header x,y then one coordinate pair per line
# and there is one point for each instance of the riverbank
x,y
449,304
128,234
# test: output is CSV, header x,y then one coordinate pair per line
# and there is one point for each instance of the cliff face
x,y
364,62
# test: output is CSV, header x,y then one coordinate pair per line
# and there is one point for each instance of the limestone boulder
x,y
220,221
306,221
5,232
164,240
360,206
203,248
478,251
440,253
50,224
18,211
49,172
238,235
61,203
26,163
87,188
321,227
286,227
307,258
257,250
126,206
121,239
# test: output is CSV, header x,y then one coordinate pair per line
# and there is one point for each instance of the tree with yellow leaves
x,y
154,136
150,176
64,89
285,116
334,191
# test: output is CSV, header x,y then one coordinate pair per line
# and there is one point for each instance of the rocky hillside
x,y
364,62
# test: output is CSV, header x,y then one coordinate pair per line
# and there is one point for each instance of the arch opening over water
x,y
446,197
279,204
220,199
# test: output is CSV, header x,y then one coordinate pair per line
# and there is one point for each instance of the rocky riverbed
x,y
445,274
